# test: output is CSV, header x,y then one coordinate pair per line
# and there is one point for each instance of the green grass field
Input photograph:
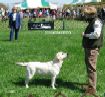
x,y
41,46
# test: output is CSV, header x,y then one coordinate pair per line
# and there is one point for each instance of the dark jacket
x,y
18,20
92,43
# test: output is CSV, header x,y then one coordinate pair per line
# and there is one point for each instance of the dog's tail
x,y
21,63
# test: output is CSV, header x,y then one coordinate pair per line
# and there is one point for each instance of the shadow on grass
x,y
47,82
5,40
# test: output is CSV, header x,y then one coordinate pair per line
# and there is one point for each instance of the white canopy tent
x,y
35,4
84,1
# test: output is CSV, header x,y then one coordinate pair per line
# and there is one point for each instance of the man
x,y
92,41
14,23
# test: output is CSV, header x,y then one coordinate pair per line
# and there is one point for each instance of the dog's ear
x,y
58,56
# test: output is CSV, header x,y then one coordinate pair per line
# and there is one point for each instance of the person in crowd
x,y
40,13
21,17
3,14
35,14
0,12
14,23
53,14
103,13
74,13
92,41
67,13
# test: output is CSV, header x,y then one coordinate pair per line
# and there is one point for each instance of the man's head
x,y
14,9
90,12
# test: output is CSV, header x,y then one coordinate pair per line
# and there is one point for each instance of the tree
x,y
102,0
3,6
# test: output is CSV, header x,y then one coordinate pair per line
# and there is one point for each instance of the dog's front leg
x,y
29,75
53,82
26,82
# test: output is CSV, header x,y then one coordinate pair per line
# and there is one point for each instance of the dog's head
x,y
61,55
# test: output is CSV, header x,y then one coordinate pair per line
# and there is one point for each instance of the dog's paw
x,y
27,86
54,88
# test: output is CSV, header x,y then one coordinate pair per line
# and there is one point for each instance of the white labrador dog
x,y
51,68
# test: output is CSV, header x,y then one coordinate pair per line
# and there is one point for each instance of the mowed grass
x,y
42,46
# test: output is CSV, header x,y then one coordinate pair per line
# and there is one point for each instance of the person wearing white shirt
x,y
91,42
14,23
97,30
14,16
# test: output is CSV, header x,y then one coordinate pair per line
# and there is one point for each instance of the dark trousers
x,y
91,55
12,31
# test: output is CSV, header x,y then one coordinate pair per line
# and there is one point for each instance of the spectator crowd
x,y
68,13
